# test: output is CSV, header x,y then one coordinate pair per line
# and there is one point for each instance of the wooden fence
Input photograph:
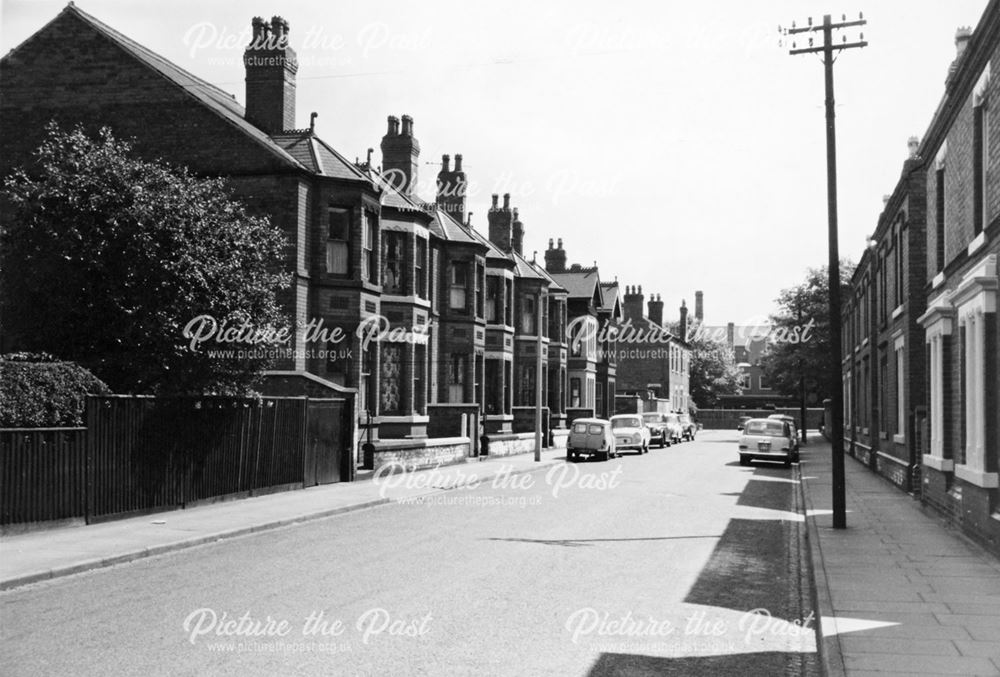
x,y
139,454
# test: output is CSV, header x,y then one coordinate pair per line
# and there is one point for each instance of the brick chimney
x,y
270,76
451,188
517,238
699,306
655,306
962,37
633,304
683,329
555,259
400,155
500,223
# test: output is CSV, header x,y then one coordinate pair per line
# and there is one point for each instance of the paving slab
x,y
898,590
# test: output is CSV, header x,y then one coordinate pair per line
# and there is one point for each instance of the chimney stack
x,y
501,223
683,331
555,259
655,306
699,306
731,335
633,305
270,66
517,239
451,188
400,155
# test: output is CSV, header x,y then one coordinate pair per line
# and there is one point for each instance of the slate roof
x,y
579,283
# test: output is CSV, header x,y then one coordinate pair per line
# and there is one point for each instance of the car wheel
x,y
744,460
606,455
569,457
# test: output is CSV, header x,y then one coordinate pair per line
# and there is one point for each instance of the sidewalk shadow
x,y
634,665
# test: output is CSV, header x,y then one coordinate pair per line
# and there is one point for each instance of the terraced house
x,y
460,312
921,349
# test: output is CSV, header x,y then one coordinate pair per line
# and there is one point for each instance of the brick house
x,y
960,280
653,363
920,334
884,348
363,247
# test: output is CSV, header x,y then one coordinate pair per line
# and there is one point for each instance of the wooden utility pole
x,y
827,49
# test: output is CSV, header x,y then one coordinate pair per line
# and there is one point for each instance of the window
x,y
456,378
337,243
980,162
494,299
765,383
883,284
435,283
939,216
574,393
480,292
390,381
508,303
528,318
883,393
494,389
459,283
367,394
526,385
420,267
392,263
900,261
745,381
369,255
508,389
900,393
419,381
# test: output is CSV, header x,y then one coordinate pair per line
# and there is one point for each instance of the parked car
x,y
742,422
791,421
688,427
590,437
658,431
630,433
767,439
673,422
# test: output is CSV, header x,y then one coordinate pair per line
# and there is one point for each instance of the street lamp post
x,y
827,49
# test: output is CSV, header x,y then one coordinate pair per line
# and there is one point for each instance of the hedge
x,y
37,391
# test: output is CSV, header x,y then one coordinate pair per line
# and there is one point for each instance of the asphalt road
x,y
677,562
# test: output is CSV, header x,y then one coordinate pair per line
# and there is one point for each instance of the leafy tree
x,y
106,258
800,338
713,369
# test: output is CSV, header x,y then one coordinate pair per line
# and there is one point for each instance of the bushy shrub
x,y
36,391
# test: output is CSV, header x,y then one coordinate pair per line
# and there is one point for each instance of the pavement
x,y
51,553
898,591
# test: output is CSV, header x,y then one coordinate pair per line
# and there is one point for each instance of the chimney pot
x,y
391,127
913,145
550,243
506,200
407,125
458,162
445,163
560,243
495,199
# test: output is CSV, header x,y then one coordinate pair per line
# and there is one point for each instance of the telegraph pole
x,y
827,49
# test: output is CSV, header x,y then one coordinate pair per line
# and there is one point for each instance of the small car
x,y
791,421
658,431
590,437
768,439
674,426
742,422
630,433
688,427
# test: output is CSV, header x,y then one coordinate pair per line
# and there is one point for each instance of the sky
x,y
675,144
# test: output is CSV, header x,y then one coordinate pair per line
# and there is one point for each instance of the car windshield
x,y
769,427
629,422
579,427
651,418
596,429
